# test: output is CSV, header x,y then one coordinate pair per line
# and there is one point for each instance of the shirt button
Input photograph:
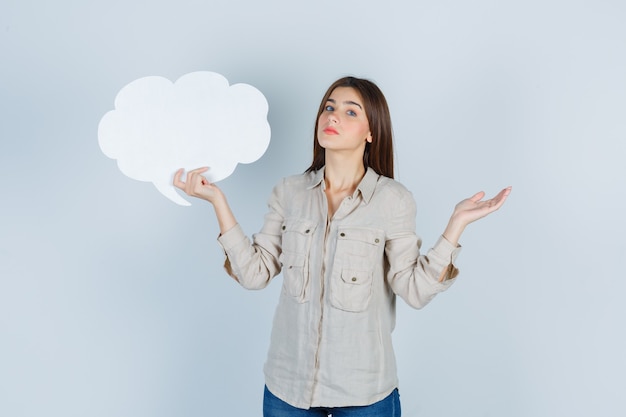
x,y
342,234
284,227
307,230
377,240
353,279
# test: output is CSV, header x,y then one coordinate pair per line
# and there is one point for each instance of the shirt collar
x,y
366,187
368,184
317,179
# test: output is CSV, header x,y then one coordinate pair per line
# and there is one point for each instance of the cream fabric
x,y
331,337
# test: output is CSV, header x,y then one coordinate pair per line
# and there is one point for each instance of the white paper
x,y
158,127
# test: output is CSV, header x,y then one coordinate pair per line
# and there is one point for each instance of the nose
x,y
332,118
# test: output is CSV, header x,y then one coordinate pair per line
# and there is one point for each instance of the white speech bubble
x,y
158,127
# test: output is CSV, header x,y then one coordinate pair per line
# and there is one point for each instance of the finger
x,y
499,199
190,183
199,182
200,170
177,182
502,195
195,179
477,197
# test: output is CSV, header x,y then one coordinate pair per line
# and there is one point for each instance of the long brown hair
x,y
379,153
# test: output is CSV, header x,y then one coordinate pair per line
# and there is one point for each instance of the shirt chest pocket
x,y
297,235
358,252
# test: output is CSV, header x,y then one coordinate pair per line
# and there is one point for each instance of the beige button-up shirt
x,y
331,338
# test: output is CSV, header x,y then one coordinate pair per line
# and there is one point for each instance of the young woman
x,y
343,235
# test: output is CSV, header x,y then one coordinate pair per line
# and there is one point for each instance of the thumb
x,y
477,197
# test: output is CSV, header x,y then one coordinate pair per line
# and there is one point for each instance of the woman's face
x,y
343,125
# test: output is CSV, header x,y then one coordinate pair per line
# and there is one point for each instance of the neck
x,y
342,174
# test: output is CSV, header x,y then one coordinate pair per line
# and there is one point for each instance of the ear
x,y
369,137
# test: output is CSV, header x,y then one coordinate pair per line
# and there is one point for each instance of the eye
x,y
329,108
351,113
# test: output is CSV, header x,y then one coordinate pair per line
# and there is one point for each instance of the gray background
x,y
112,298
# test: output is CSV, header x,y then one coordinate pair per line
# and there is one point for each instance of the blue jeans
x,y
387,407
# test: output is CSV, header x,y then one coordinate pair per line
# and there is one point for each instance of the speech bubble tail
x,y
169,191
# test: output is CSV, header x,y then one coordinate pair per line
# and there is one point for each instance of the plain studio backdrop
x,y
113,300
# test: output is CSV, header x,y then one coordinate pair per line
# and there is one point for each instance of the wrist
x,y
225,218
453,231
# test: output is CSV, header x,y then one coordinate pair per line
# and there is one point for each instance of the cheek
x,y
365,129
318,132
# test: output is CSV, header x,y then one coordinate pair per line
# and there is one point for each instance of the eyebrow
x,y
332,100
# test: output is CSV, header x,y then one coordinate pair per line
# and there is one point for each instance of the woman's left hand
x,y
472,209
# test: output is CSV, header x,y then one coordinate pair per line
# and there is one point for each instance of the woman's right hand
x,y
196,185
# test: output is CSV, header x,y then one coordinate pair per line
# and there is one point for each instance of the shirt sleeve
x,y
253,263
415,277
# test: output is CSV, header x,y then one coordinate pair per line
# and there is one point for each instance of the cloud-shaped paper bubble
x,y
159,126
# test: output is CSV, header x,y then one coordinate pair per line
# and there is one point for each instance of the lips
x,y
330,131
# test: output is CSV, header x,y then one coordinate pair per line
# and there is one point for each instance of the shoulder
x,y
299,180
391,189
396,202
295,184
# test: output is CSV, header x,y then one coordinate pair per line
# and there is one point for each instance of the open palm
x,y
474,208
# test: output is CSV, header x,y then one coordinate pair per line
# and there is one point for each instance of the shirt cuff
x,y
446,249
448,253
231,238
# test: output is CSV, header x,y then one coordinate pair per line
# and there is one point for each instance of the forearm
x,y
418,278
454,230
252,263
225,217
